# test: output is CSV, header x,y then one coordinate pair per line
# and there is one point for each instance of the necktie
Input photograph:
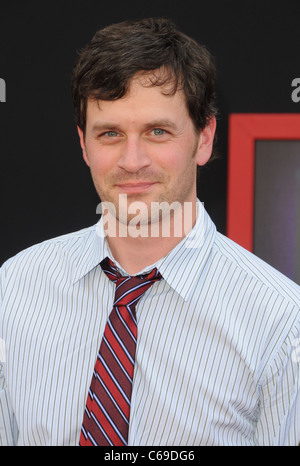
x,y
106,417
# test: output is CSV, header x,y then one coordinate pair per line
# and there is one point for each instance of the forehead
x,y
143,100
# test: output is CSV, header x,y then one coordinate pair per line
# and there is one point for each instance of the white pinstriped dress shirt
x,y
217,358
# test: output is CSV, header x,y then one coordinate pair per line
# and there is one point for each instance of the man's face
x,y
144,145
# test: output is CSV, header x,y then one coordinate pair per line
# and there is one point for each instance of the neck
x,y
135,249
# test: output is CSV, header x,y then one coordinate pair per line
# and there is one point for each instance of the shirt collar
x,y
93,250
180,268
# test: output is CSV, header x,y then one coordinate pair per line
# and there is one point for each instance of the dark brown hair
x,y
105,67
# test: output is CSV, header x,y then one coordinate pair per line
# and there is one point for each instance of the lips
x,y
135,187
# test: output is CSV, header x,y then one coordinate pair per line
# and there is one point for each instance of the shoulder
x,y
53,252
255,268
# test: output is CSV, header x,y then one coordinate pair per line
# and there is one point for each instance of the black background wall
x,y
45,186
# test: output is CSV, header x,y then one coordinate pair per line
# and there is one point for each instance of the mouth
x,y
135,187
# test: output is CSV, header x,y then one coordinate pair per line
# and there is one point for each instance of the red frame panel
x,y
244,130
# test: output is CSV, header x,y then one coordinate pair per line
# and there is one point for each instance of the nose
x,y
134,155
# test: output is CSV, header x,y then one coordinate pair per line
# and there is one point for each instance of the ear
x,y
206,140
82,144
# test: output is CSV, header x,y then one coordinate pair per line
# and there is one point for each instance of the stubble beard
x,y
125,211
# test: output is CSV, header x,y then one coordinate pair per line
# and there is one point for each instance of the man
x,y
208,354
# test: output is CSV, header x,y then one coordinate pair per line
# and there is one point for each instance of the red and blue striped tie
x,y
106,417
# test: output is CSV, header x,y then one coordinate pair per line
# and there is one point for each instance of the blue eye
x,y
158,132
111,134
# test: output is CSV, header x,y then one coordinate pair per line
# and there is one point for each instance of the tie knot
x,y
129,289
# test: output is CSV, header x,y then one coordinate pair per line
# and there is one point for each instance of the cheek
x,y
175,159
100,162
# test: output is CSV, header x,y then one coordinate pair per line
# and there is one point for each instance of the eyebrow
x,y
166,123
98,127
